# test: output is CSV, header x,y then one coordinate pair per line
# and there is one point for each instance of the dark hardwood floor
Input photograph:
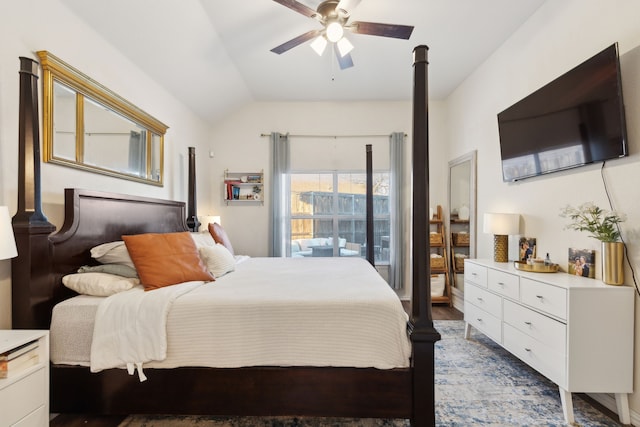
x,y
444,312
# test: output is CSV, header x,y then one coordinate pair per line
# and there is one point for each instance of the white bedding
x,y
273,312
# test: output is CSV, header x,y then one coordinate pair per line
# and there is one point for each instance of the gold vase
x,y
613,263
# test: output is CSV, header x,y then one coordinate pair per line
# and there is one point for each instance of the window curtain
x,y
396,195
138,153
280,165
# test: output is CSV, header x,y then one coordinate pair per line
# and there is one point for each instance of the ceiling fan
x,y
334,16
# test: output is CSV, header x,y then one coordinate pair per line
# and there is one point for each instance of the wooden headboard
x,y
91,218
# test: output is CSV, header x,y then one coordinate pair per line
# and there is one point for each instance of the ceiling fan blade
x,y
298,7
344,61
384,30
347,5
296,41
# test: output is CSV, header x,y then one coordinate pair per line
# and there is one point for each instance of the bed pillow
x,y
220,236
164,259
218,259
98,284
117,269
112,253
202,238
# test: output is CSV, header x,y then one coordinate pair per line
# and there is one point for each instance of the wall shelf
x,y
439,265
243,187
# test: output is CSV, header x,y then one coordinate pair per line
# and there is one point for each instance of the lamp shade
x,y
7,240
501,223
206,220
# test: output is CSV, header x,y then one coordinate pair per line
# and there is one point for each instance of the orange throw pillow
x,y
220,236
164,259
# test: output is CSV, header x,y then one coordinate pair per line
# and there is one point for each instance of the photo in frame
x,y
527,248
582,262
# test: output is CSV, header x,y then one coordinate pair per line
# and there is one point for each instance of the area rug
x,y
478,383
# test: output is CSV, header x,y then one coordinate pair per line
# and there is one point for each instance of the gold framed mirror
x,y
89,127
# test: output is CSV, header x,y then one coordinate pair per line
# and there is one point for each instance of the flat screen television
x,y
575,120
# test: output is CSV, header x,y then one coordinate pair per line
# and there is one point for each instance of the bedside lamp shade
x,y
7,241
206,220
501,225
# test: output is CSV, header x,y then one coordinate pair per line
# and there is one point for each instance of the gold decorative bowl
x,y
536,267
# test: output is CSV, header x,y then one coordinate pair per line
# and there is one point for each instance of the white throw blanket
x,y
130,327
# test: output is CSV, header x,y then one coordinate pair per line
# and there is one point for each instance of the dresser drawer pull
x,y
474,274
479,319
479,299
527,323
501,283
527,349
539,297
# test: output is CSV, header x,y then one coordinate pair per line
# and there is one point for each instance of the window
x,y
328,214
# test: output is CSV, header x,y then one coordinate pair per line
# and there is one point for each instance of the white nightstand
x,y
24,395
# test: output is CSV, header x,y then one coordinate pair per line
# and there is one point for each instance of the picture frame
x,y
582,262
526,248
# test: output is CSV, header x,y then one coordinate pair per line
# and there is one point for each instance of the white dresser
x,y
578,332
24,395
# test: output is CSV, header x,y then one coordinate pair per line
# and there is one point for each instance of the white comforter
x,y
130,327
279,312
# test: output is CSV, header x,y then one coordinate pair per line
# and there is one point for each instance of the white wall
x,y
238,146
558,37
31,25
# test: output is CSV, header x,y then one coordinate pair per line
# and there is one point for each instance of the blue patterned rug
x,y
478,383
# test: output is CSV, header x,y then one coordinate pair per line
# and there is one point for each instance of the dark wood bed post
x,y
424,335
30,271
192,210
369,204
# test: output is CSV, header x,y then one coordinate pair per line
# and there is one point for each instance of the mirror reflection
x,y
462,214
89,127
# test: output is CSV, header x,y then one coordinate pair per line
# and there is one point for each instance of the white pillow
x,y
112,253
218,259
203,238
98,284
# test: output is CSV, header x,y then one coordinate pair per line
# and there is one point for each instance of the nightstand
x,y
24,395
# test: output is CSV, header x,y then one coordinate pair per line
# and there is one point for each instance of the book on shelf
x,y
17,351
18,359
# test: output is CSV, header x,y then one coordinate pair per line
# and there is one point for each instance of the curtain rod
x,y
333,136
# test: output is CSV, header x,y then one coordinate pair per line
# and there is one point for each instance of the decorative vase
x,y
612,263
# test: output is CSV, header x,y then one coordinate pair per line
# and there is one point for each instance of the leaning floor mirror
x,y
462,216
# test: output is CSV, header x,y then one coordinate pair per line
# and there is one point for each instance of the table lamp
x,y
208,219
501,225
7,240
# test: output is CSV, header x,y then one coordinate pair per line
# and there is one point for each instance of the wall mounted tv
x,y
575,120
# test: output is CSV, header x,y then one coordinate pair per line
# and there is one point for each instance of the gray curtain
x,y
279,234
396,200
138,153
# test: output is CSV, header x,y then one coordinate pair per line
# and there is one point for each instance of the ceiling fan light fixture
x,y
319,44
344,46
334,31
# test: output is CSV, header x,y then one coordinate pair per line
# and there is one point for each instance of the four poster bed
x,y
93,218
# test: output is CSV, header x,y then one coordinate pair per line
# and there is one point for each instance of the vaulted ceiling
x,y
214,55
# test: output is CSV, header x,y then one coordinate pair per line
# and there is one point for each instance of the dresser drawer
x,y
540,357
504,283
38,418
483,321
548,331
475,273
483,299
23,397
547,298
